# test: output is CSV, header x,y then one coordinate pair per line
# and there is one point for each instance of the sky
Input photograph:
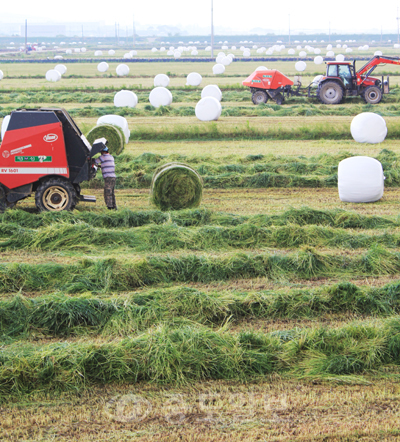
x,y
240,16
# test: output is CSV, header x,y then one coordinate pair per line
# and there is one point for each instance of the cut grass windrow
x,y
62,315
192,352
125,218
170,237
107,275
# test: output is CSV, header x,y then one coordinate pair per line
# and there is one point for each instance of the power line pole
x,y
212,29
82,33
134,42
329,32
289,29
26,35
398,18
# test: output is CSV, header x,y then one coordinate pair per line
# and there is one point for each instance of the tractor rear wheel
x,y
55,194
259,97
372,95
330,92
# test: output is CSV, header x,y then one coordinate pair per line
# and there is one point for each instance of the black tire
x,y
55,195
3,201
372,95
279,98
259,97
330,92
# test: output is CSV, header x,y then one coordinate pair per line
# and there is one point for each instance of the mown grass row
x,y
61,315
170,237
191,352
125,218
105,275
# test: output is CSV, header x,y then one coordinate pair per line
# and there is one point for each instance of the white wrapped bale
x,y
212,90
330,54
262,68
116,120
340,57
300,66
161,80
53,75
111,52
102,67
291,51
318,59
360,180
303,54
218,69
208,109
4,125
125,99
68,51
378,53
122,70
61,68
226,61
317,51
368,127
160,96
98,53
219,58
194,52
1,75
349,50
193,79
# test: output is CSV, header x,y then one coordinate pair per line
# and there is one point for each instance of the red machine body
x,y
268,79
25,162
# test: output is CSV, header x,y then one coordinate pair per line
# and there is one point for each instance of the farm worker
x,y
106,160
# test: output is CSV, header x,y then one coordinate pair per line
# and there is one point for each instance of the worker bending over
x,y
106,161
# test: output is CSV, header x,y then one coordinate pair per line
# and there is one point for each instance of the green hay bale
x,y
113,134
176,186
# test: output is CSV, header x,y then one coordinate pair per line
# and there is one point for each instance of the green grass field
x,y
271,312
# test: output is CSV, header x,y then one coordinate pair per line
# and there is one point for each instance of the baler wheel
x,y
330,92
259,97
3,201
54,195
372,95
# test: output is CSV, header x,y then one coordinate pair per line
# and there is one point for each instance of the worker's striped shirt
x,y
107,165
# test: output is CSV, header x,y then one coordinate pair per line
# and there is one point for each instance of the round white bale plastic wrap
x,y
212,90
193,79
58,57
219,58
62,69
125,99
102,67
349,50
127,55
177,54
300,66
218,69
133,53
160,96
208,109
161,80
318,59
83,50
53,75
302,54
317,51
111,52
262,68
360,180
1,75
98,53
291,51
330,54
122,70
116,120
194,52
4,125
68,51
368,127
246,53
339,57
226,61
378,53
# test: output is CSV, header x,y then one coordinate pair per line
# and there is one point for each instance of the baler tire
x,y
372,95
330,92
259,97
3,200
55,195
279,98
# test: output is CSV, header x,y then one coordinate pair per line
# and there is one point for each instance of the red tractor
x,y
44,152
341,80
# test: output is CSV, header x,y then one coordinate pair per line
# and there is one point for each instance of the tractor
x,y
44,152
341,80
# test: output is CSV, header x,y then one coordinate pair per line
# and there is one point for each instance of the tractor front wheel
x,y
330,92
372,95
55,194
259,97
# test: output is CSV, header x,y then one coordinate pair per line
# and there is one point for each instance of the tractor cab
x,y
344,72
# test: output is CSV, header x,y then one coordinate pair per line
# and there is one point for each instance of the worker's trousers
x,y
109,197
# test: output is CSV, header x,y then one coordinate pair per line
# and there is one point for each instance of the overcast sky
x,y
344,15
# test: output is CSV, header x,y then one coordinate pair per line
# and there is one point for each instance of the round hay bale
x,y
113,134
160,96
368,127
212,90
176,186
116,120
318,59
125,99
218,69
102,67
300,66
161,80
61,68
208,109
122,70
111,52
193,79
1,75
53,75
